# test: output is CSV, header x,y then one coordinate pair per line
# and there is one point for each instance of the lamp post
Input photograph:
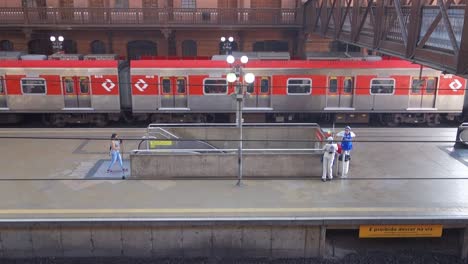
x,y
57,43
227,45
232,77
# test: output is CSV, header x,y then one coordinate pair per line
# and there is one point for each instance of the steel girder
x,y
430,32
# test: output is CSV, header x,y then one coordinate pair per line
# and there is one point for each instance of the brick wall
x,y
316,43
207,40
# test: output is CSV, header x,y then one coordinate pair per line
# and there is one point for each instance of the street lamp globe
x,y
231,77
223,39
244,59
249,77
230,59
231,39
52,38
60,38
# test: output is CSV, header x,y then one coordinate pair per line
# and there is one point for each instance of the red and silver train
x,y
98,91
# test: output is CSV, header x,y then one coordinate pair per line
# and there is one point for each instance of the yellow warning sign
x,y
155,143
371,231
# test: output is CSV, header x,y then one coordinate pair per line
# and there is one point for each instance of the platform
x,y
65,179
55,201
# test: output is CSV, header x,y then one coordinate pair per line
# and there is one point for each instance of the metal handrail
x,y
232,124
161,131
296,151
149,16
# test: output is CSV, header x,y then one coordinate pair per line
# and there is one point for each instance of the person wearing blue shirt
x,y
346,146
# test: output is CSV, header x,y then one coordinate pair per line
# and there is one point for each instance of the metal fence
x,y
150,16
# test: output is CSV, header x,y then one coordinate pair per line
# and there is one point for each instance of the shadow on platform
x,y
99,170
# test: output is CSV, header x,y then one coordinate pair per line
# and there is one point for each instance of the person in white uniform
x,y
328,157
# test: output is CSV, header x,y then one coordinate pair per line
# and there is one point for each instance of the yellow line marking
x,y
223,210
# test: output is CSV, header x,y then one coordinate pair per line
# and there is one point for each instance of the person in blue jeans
x,y
115,152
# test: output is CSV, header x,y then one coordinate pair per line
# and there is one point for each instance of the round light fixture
x,y
231,77
230,59
223,39
249,77
244,59
52,38
231,39
60,38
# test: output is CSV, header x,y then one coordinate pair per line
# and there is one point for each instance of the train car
x,y
62,91
98,91
394,91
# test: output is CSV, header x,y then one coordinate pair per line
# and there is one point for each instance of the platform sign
x,y
155,143
376,231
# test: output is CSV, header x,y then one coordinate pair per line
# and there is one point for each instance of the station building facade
x,y
135,29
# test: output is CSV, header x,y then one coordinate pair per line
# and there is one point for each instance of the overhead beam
x,y
399,13
414,45
462,62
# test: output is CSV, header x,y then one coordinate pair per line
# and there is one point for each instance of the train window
x,y
84,85
69,85
264,86
215,86
33,86
299,86
348,86
181,86
416,86
431,85
250,88
166,86
2,85
332,85
382,86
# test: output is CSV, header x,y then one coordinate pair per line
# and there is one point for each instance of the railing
x,y
150,16
439,39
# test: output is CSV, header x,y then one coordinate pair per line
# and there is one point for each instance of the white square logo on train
x,y
108,85
455,85
141,85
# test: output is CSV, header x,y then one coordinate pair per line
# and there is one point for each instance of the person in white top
x,y
115,152
328,157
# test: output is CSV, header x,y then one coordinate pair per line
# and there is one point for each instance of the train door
x,y
259,93
173,92
423,92
76,92
340,91
3,102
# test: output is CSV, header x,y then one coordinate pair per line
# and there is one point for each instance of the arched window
x,y
141,48
69,46
188,4
189,48
271,45
121,3
338,46
6,45
98,47
259,46
40,46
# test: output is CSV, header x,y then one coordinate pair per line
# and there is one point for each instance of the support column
x,y
110,41
27,37
464,243
240,41
314,242
462,60
323,241
301,41
172,44
163,46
